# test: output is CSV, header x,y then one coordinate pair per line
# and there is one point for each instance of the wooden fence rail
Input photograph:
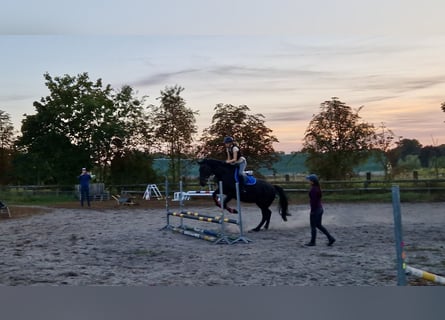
x,y
349,186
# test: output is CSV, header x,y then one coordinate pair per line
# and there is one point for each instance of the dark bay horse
x,y
261,193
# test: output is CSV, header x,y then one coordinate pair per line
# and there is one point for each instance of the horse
x,y
261,193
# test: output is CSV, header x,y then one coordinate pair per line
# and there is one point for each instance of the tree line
x,y
115,133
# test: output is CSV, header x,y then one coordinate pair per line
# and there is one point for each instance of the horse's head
x,y
220,169
205,171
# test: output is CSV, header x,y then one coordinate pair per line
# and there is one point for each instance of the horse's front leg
x,y
227,198
215,198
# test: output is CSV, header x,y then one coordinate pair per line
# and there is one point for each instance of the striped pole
x,y
425,275
207,232
194,234
203,231
201,217
220,218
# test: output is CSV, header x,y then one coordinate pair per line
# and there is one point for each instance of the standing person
x,y
235,157
84,181
317,210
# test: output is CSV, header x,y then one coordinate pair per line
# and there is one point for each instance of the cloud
x,y
163,77
288,116
264,72
16,97
397,84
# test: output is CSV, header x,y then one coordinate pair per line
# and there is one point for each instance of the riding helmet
x,y
312,177
228,139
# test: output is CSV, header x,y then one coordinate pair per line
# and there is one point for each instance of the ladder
x,y
152,191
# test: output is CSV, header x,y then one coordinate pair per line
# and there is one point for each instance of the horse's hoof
x,y
255,230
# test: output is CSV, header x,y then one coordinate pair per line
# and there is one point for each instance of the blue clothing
x,y
84,181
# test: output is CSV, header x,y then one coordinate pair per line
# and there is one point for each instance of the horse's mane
x,y
216,162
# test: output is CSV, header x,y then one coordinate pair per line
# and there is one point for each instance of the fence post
x,y
401,276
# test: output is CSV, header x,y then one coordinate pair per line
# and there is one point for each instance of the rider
x,y
235,157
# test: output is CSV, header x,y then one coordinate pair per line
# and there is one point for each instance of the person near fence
x,y
316,212
235,157
84,181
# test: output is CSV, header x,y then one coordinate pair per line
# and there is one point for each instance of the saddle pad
x,y
250,181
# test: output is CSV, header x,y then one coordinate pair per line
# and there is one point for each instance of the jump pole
x,y
203,233
425,275
186,231
193,231
401,276
402,268
240,219
202,217
223,237
166,203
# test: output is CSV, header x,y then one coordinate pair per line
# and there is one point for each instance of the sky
x,y
281,58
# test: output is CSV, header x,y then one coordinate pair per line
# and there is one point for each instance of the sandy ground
x,y
125,246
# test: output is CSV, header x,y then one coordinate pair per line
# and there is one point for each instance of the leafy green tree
x,y
409,163
409,147
132,167
336,140
174,128
6,147
81,123
432,157
248,130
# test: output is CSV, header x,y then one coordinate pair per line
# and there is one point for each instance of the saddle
x,y
250,179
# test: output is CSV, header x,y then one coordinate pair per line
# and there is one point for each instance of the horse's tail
x,y
284,203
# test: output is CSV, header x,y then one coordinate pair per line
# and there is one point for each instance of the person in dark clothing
x,y
317,210
235,157
84,181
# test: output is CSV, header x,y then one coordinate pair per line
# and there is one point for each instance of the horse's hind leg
x,y
265,219
267,214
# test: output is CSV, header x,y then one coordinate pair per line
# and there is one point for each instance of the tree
x,y
409,147
6,146
248,130
174,128
81,123
384,141
336,141
432,157
132,167
409,163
